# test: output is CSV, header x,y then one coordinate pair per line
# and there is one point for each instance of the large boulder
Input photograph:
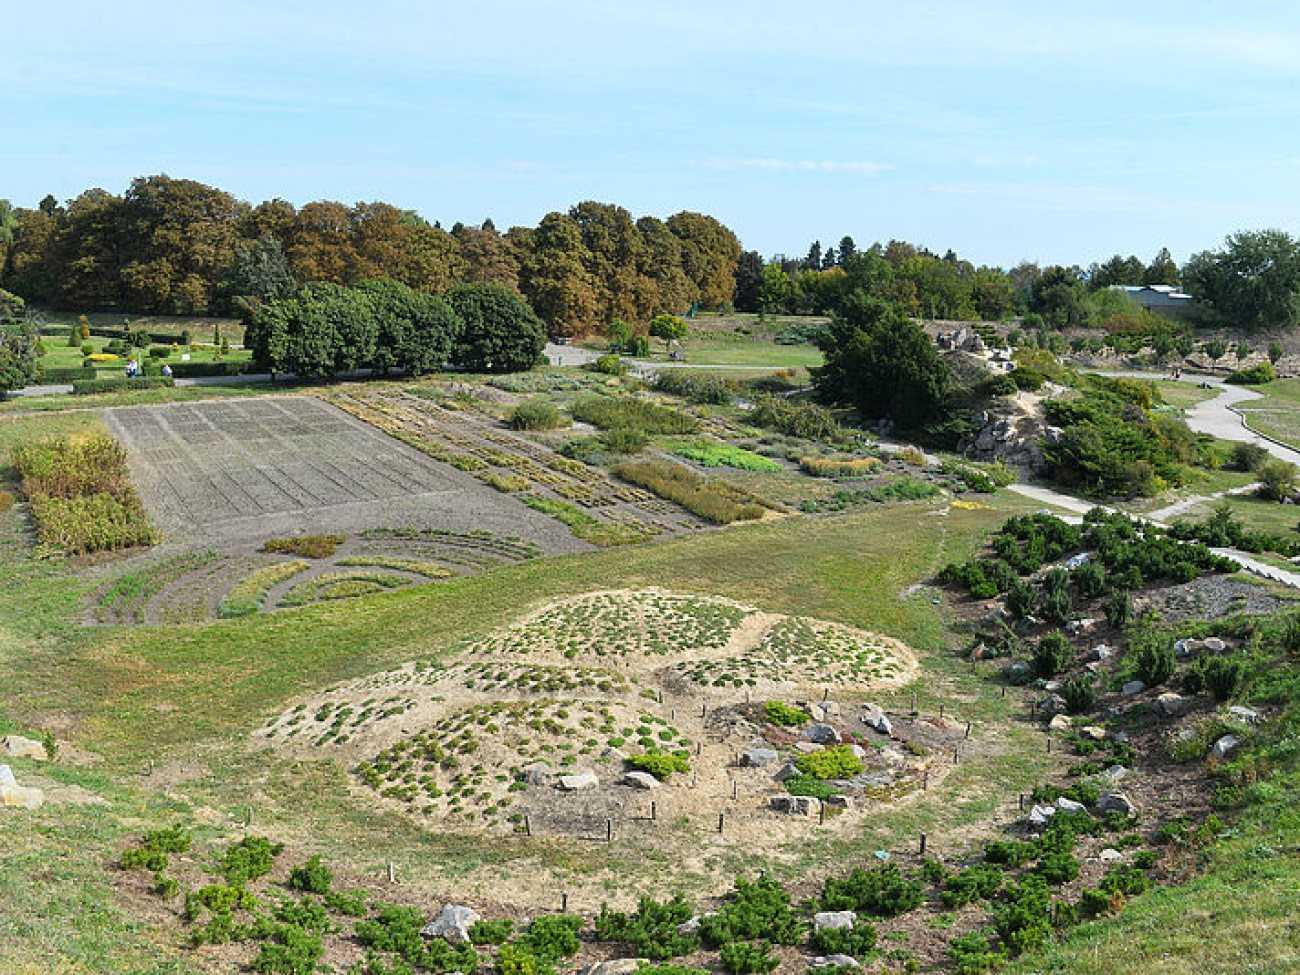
x,y
835,961
1039,815
17,746
537,774
1133,687
1248,715
823,734
13,794
640,780
1069,805
834,920
1116,802
452,924
758,757
796,805
617,966
1171,705
1224,748
787,771
578,781
1060,723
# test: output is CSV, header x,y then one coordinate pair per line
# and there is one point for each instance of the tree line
x,y
176,246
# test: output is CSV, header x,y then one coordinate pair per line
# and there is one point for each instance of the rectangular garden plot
x,y
255,468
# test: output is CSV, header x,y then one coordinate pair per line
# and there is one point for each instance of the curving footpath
x,y
1220,418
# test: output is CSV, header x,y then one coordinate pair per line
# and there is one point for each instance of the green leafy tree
x,y
19,345
882,362
775,291
415,331
1275,351
260,272
749,281
1216,349
670,328
499,333
1253,282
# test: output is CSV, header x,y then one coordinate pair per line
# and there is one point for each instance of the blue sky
x,y
1007,131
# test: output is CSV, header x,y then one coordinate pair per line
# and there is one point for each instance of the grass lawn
x,y
60,355
1183,394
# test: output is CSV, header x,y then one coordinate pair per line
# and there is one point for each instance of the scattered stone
x,y
1093,732
874,717
613,754
1117,773
835,961
1248,715
1187,648
1116,802
807,747
758,757
1214,645
1224,748
797,805
1083,558
1069,805
1108,854
17,746
537,774
1018,670
452,923
640,780
1101,652
1092,667
787,771
1053,686
578,781
834,921
13,794
814,711
617,966
1133,687
1079,627
841,801
1039,815
1121,737
822,734
1171,705
1059,723
831,709
857,751
1052,704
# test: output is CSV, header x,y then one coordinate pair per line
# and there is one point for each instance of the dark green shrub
x,y
880,892
86,387
491,932
651,932
1126,880
753,910
795,418
934,872
1057,868
624,440
396,930
294,952
1011,853
810,785
1056,607
1095,903
249,859
552,937
1078,694
313,877
610,365
1256,375
975,883
622,412
1118,609
1221,676
1154,658
1090,579
1021,599
742,957
1052,655
858,941
1024,920
152,854
351,905
1145,859
973,954
159,352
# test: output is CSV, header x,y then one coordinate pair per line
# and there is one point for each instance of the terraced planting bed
x,y
607,683
202,584
585,498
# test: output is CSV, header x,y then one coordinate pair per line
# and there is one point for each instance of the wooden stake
x,y
721,821
704,710
654,810
821,813
392,876
1022,802
967,729
925,780
735,789
826,693
609,831
940,712
564,902
923,838
528,825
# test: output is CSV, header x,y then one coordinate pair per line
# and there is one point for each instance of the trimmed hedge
x,y
65,374
193,370
86,387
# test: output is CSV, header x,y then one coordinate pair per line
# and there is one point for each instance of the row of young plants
x,y
81,495
285,923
